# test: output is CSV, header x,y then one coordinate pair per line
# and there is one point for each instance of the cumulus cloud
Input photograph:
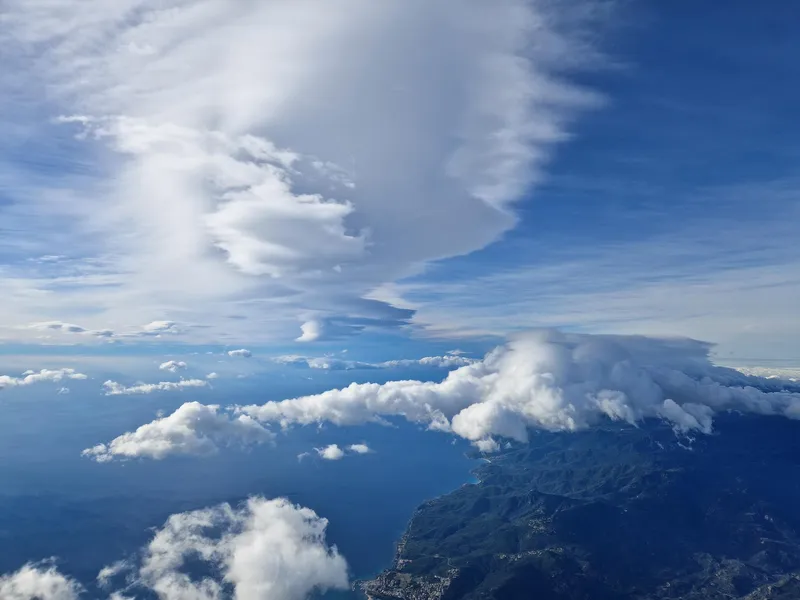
x,y
261,550
113,388
244,353
212,375
38,582
248,148
265,550
31,377
359,448
193,429
554,381
335,452
331,452
172,366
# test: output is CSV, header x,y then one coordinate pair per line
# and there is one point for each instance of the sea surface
x,y
54,503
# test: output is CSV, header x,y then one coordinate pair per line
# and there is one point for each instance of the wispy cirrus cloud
x,y
217,161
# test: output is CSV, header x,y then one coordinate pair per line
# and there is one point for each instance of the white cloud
x,y
172,366
32,377
262,550
38,582
332,363
268,550
244,353
57,326
212,375
159,327
248,148
554,381
359,448
109,572
63,391
193,429
154,329
445,362
335,452
113,388
791,374
331,452
311,331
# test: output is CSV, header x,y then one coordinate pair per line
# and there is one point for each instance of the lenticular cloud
x,y
555,381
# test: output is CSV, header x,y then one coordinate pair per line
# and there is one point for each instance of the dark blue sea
x,y
54,503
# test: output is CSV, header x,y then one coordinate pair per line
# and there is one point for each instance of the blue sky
x,y
402,182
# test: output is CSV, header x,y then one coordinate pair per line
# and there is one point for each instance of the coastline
x,y
358,585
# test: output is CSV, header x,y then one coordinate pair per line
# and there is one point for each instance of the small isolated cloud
x,y
332,452
63,391
261,550
212,376
113,388
38,582
31,377
311,331
173,366
194,429
242,352
335,452
359,448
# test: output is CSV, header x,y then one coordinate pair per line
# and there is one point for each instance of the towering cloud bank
x,y
554,381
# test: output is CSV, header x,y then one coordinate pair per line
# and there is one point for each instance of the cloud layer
x,y
543,379
113,388
333,363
